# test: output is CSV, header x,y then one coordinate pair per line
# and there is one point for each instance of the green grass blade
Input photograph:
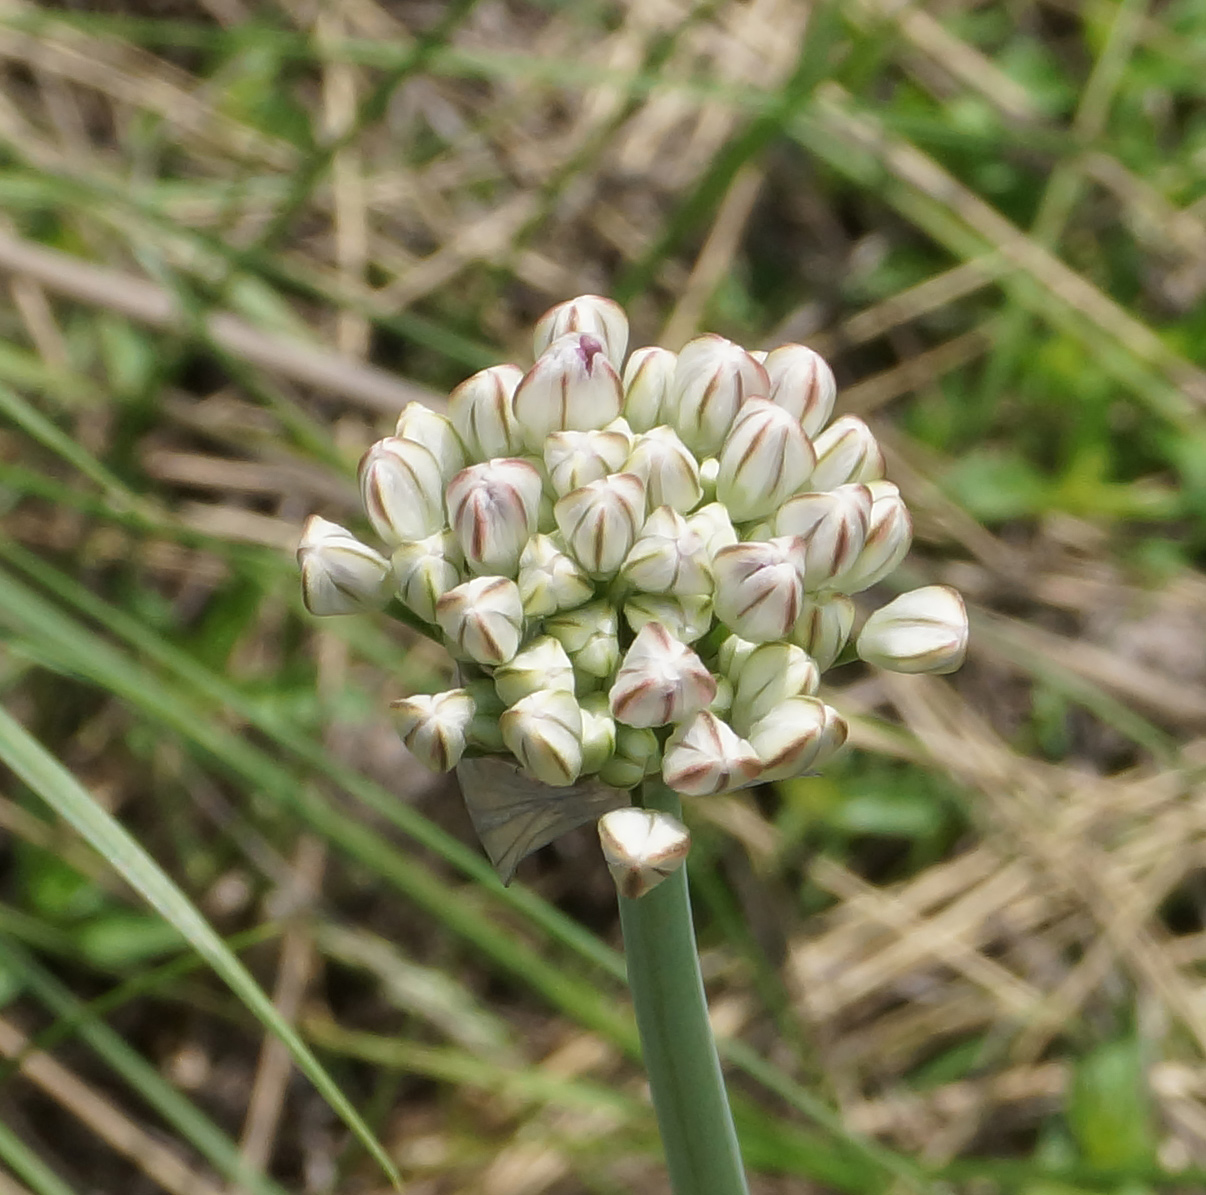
x,y
28,1167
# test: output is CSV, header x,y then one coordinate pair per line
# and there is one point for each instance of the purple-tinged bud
x,y
712,379
889,535
647,381
598,732
924,630
492,508
661,680
482,619
600,521
687,618
771,673
637,754
833,525
425,570
760,587
542,664
714,526
575,459
481,412
434,727
765,459
436,434
668,557
799,734
572,387
846,453
339,574
665,464
596,316
590,636
544,732
802,383
402,490
642,847
824,627
549,580
706,756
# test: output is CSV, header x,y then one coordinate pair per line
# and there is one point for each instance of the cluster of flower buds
x,y
642,565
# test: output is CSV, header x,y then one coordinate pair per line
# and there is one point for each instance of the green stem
x,y
689,1097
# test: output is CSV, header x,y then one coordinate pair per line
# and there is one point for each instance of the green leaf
x,y
1109,1111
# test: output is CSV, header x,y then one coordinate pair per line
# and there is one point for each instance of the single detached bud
x,y
714,526
600,521
402,490
642,848
492,507
598,732
596,316
771,673
802,384
833,525
483,733
889,535
542,664
665,464
760,587
712,379
668,557
661,680
572,387
549,580
799,734
824,626
434,727
544,732
436,434
687,618
480,410
590,636
339,574
483,619
706,756
425,570
846,452
647,380
765,459
637,754
924,630
575,459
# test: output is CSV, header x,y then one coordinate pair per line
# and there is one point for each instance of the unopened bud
x,y
924,630
480,410
592,314
771,673
889,534
542,664
668,557
732,655
575,459
492,507
600,521
799,734
572,387
765,459
687,618
802,383
647,381
590,636
544,732
712,379
483,619
833,525
549,580
642,847
824,626
660,680
760,587
483,732
425,570
714,526
846,452
339,574
434,727
436,434
598,732
722,704
706,756
637,754
402,490
668,469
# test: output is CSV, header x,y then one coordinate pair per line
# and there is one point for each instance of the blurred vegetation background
x,y
236,236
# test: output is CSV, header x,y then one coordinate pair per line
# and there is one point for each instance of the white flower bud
x,y
687,618
732,655
824,626
846,452
760,587
771,673
436,434
637,754
647,381
590,636
668,557
802,383
481,412
712,379
833,525
483,619
598,732
722,704
575,459
542,664
765,459
642,847
924,630
665,464
661,680
544,732
714,526
402,490
889,535
600,521
598,317
799,734
572,387
339,574
549,580
706,756
709,472
434,727
425,570
492,508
